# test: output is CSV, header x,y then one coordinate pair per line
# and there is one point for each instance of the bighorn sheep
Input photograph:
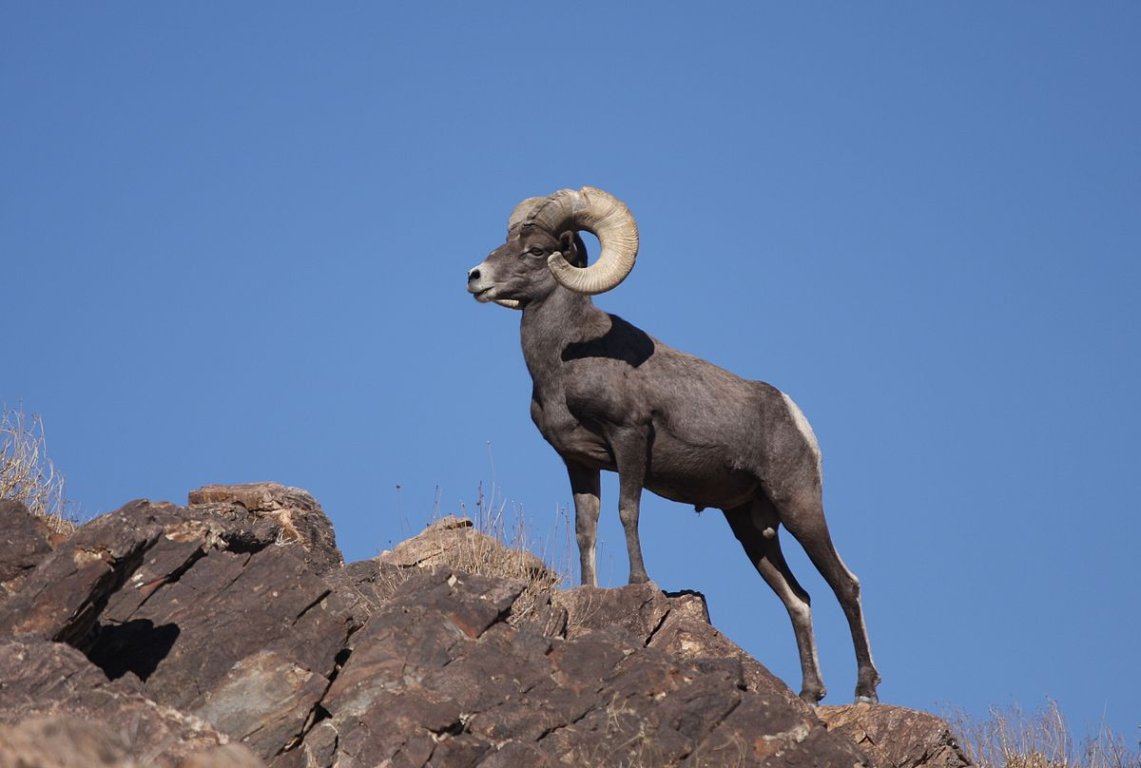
x,y
608,396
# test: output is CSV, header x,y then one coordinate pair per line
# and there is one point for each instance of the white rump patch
x,y
804,427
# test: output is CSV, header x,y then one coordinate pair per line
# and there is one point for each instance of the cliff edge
x,y
228,632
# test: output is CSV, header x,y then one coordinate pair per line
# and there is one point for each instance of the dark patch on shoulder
x,y
622,341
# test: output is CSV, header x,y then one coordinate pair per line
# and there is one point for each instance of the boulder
x,y
895,737
212,610
297,514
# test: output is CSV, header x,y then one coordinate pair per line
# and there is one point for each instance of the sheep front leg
x,y
585,485
631,453
629,501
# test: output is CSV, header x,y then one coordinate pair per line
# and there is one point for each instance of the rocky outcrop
x,y
24,540
228,633
58,709
895,736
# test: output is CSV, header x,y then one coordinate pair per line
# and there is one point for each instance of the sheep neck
x,y
550,324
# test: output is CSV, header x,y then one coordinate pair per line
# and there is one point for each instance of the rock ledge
x,y
229,633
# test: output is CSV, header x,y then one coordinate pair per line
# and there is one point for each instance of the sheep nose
x,y
473,274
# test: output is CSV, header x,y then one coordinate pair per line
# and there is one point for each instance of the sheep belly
x,y
702,476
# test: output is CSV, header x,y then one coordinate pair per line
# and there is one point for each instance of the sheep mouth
x,y
482,295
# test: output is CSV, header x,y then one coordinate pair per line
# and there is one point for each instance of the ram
x,y
607,396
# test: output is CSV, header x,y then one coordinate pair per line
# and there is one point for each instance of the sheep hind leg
x,y
756,526
807,524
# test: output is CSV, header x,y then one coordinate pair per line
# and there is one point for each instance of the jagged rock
x,y
181,631
247,637
895,737
25,540
264,701
375,582
62,597
677,623
192,604
298,515
50,689
636,608
438,676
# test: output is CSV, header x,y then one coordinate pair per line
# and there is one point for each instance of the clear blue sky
x,y
234,240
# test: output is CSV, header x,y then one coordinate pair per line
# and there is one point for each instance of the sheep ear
x,y
572,248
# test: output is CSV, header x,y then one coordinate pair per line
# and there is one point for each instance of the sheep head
x,y
543,248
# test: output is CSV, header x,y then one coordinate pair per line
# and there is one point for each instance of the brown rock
x,y
237,630
51,689
686,632
636,608
189,632
208,609
455,543
264,701
62,742
439,676
677,623
429,547
895,737
226,756
298,515
63,596
24,542
180,631
66,741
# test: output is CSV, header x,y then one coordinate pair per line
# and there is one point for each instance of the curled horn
x,y
597,212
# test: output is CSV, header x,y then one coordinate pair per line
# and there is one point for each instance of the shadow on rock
x,y
136,646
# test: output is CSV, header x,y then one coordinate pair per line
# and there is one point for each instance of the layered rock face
x,y
228,632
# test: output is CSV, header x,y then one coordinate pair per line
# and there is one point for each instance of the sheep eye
x,y
536,251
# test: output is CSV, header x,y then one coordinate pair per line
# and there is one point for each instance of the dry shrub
x,y
499,547
27,474
1011,738
493,542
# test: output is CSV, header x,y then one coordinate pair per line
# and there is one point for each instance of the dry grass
x,y
501,546
27,474
1012,738
490,539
